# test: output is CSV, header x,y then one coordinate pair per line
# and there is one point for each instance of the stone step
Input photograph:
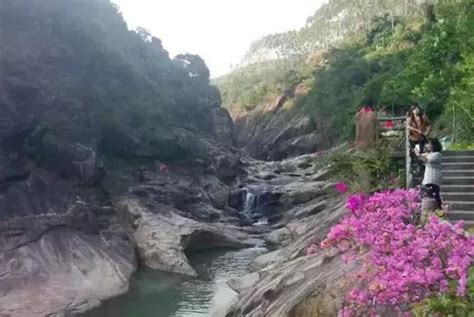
x,y
457,173
458,166
457,196
457,188
464,182
458,180
461,215
458,153
467,223
458,159
460,205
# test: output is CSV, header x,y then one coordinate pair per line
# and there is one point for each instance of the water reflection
x,y
157,294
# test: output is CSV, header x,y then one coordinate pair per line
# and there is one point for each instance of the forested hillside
x,y
329,24
389,54
71,71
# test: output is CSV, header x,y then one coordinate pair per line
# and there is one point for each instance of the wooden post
x,y
407,158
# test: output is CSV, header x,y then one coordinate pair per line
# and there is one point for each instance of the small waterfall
x,y
253,204
250,202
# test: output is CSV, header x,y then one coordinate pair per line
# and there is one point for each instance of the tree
x,y
194,65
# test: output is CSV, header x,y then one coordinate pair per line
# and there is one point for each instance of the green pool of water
x,y
157,294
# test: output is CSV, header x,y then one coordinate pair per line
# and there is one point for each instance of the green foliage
x,y
333,20
398,55
256,84
76,63
461,146
450,304
461,103
366,171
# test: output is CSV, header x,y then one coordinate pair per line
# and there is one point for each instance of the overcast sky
x,y
220,31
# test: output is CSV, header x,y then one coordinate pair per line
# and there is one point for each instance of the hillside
x,y
66,80
97,123
332,22
388,56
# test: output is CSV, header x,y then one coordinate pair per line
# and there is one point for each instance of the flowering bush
x,y
402,263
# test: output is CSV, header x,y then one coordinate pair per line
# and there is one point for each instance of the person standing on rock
x,y
367,128
433,173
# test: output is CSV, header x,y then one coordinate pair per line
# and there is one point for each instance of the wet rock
x,y
237,198
268,259
163,238
292,284
243,283
278,237
218,193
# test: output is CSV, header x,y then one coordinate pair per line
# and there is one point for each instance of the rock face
x,y
63,271
287,282
223,125
272,133
291,283
65,167
162,237
63,234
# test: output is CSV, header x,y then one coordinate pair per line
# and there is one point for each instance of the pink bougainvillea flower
x,y
354,202
341,187
402,263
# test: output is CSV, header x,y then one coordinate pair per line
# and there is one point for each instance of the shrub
x,y
402,263
366,171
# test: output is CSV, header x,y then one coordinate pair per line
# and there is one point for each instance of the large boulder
x,y
62,271
162,237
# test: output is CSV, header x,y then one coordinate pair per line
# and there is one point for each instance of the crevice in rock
x,y
15,178
202,240
39,236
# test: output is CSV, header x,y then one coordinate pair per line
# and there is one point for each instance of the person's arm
x,y
430,157
410,127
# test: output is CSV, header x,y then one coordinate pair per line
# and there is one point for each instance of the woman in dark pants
x,y
433,172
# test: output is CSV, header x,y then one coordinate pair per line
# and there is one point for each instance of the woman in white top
x,y
433,173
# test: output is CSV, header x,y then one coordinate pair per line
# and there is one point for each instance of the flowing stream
x,y
157,294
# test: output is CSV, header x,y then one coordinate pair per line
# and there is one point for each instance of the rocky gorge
x,y
114,157
272,132
84,248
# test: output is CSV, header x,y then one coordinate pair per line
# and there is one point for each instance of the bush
x,y
461,146
449,304
367,171
403,263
